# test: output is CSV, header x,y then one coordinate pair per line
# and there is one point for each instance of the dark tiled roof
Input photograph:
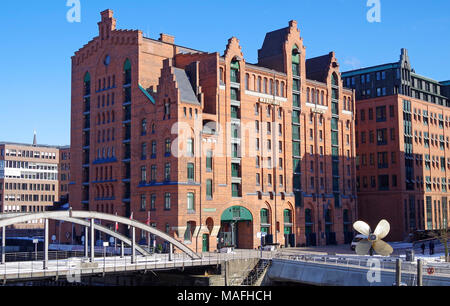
x,y
273,43
317,68
184,86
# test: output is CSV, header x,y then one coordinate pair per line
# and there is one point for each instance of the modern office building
x,y
28,179
402,140
209,148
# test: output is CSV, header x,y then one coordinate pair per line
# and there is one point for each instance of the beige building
x,y
28,179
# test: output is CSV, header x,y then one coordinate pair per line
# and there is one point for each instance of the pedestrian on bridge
x,y
431,247
422,246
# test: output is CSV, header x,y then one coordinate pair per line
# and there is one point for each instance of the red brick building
x,y
209,148
403,123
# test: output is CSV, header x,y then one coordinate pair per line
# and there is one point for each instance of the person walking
x,y
422,246
431,247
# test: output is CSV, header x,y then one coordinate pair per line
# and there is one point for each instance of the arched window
x,y
259,84
312,96
307,95
322,98
265,85
87,84
127,72
265,221
277,88
113,117
271,87
334,94
234,71
295,61
308,216
282,89
247,82
334,79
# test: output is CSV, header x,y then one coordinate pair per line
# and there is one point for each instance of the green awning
x,y
237,213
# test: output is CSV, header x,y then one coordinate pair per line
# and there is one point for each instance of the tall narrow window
x,y
167,201
190,201
190,171
167,172
127,72
234,72
209,161
209,191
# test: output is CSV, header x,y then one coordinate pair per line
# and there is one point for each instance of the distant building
x,y
29,178
402,141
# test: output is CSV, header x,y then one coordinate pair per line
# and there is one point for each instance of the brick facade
x,y
147,113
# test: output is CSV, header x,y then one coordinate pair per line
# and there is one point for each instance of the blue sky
x,y
37,43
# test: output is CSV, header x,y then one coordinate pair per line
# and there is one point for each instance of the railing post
x,y
86,242
122,250
419,272
92,240
133,245
46,244
3,245
170,252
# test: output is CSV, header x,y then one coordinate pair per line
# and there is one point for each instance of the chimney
x,y
34,139
167,38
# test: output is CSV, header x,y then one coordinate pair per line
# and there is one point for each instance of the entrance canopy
x,y
236,213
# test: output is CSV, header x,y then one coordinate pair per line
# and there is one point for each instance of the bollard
x,y
419,272
398,272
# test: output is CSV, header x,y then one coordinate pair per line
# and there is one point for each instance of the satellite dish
x,y
373,239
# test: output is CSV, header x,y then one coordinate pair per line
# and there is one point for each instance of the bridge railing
x,y
429,267
64,263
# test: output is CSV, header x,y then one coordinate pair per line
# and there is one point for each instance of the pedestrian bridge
x,y
63,266
80,218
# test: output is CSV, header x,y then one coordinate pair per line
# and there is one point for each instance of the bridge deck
x,y
72,267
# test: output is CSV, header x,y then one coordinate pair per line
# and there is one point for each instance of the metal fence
x,y
68,264
409,270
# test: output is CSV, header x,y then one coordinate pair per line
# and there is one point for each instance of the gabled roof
x,y
273,43
184,86
317,67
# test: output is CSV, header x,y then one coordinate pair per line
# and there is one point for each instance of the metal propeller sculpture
x,y
373,239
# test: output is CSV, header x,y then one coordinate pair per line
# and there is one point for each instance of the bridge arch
x,y
72,215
